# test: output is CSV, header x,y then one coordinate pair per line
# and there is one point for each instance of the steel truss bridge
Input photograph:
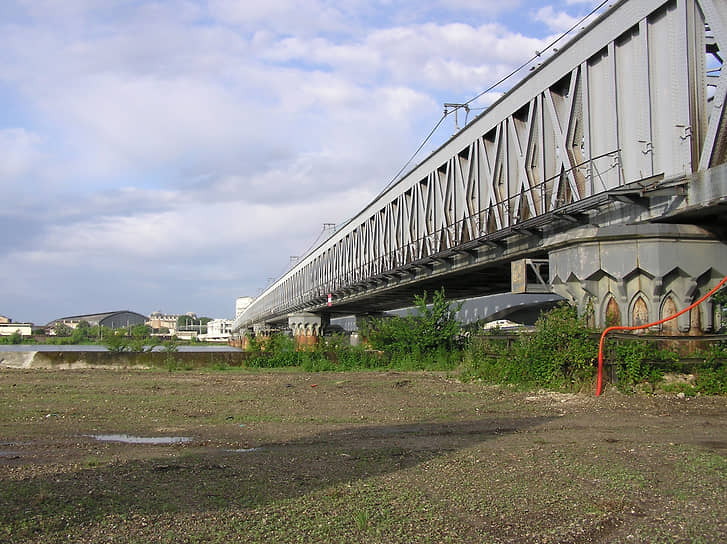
x,y
605,162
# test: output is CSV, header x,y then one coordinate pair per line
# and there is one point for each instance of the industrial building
x,y
112,320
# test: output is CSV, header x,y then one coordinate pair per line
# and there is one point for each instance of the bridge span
x,y
600,177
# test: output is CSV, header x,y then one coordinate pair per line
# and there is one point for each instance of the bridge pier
x,y
361,320
307,328
632,275
262,330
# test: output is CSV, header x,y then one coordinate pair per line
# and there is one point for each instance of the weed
x,y
688,389
560,353
92,461
711,380
362,520
432,327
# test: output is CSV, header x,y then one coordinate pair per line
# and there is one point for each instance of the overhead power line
x,y
466,105
453,108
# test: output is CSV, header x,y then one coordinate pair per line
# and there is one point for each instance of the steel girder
x,y
639,93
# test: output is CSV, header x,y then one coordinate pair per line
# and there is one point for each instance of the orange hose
x,y
637,327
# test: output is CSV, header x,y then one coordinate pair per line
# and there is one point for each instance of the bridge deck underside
x,y
637,97
494,278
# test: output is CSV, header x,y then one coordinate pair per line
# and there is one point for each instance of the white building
x,y
217,330
241,304
8,329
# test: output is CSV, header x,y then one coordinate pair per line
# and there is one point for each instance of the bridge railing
x,y
635,81
419,252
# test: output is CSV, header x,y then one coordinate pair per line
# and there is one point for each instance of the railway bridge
x,y
600,177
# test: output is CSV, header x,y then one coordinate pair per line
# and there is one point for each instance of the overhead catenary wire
x,y
537,55
428,137
324,228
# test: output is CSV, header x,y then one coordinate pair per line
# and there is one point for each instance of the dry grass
x,y
352,457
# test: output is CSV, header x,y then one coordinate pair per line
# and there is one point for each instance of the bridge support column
x,y
262,333
262,330
307,328
361,320
239,341
639,274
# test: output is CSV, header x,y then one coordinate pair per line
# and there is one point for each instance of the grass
x,y
361,457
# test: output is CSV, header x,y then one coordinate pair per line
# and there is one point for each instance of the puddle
x,y
129,439
10,454
244,450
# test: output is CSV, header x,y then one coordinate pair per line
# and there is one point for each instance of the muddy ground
x,y
351,457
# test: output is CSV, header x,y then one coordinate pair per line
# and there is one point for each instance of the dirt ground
x,y
351,457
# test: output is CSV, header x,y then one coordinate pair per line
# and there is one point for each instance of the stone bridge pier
x,y
307,328
638,274
261,332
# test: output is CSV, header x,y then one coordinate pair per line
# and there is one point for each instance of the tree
x,y
83,326
186,323
115,341
79,335
140,331
193,323
62,330
140,338
203,324
432,327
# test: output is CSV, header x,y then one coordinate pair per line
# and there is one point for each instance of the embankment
x,y
107,359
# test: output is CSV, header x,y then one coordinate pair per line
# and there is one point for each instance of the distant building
x,y
8,329
112,320
241,304
218,330
159,320
4,319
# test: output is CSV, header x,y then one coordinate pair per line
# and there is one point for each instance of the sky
x,y
173,155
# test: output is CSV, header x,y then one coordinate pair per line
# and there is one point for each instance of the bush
x,y
487,359
276,351
432,328
15,338
559,353
632,362
560,350
711,380
638,361
115,341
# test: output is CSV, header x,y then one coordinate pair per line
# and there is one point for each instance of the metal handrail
x,y
362,272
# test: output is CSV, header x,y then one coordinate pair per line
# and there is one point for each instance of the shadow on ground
x,y
222,479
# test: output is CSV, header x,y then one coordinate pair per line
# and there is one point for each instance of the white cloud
x,y
283,16
557,21
21,152
184,148
443,57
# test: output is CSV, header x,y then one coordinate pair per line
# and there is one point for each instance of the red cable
x,y
637,327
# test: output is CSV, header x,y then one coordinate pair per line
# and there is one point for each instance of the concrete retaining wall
x,y
106,359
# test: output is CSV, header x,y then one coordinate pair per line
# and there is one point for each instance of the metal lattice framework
x,y
637,94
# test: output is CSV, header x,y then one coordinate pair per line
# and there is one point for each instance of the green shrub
x,y
711,380
275,352
432,327
559,353
115,341
632,362
486,359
